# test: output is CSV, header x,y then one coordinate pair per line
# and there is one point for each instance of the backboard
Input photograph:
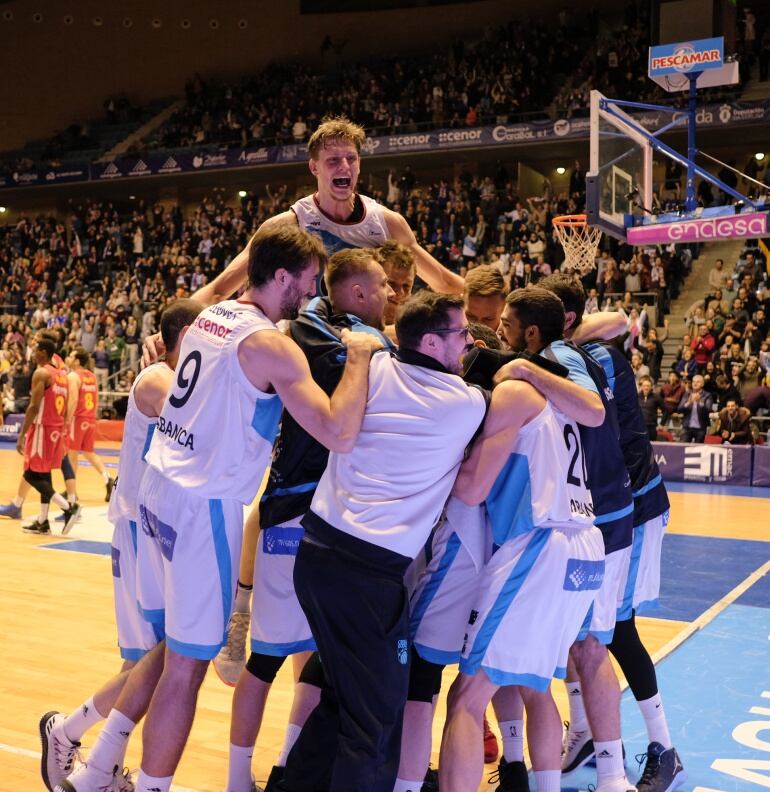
x,y
619,180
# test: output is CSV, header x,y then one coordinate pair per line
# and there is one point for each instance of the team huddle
x,y
456,476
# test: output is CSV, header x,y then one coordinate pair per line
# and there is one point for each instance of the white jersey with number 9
x,y
216,430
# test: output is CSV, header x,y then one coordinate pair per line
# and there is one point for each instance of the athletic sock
x,y
577,712
18,502
239,768
72,498
147,783
81,720
547,780
407,786
111,743
60,501
609,762
243,598
106,477
292,735
513,740
655,720
43,513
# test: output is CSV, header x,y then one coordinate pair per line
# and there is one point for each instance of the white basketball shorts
x,y
188,554
600,622
642,589
534,594
278,623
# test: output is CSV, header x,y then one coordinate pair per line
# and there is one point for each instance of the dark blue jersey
x,y
298,458
649,491
607,476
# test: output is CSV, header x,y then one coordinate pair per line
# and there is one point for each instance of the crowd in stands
x,y
506,73
521,68
104,273
720,378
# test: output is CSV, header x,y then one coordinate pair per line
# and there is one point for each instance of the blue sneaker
x,y
10,510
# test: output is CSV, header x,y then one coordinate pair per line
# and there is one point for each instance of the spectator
x,y
640,370
716,275
672,393
101,365
702,347
695,408
735,424
651,405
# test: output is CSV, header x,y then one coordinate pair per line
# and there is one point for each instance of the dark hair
x,y
540,308
569,291
81,355
47,346
481,332
177,315
282,247
346,264
422,313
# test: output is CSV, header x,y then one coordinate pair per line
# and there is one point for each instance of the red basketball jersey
x,y
87,395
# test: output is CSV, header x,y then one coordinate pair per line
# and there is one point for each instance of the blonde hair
x,y
334,129
393,254
485,281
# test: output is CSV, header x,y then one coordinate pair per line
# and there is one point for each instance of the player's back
x,y
55,397
138,430
543,482
607,477
391,487
216,430
87,395
648,489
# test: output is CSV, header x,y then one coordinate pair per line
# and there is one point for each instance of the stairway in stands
x,y
695,288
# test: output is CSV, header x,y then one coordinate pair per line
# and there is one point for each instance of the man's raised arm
x,y
435,274
234,274
576,402
334,421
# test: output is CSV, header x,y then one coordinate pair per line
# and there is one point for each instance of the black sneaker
x,y
663,770
275,777
430,784
510,777
70,516
37,527
110,486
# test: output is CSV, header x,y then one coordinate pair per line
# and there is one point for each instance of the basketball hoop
x,y
579,240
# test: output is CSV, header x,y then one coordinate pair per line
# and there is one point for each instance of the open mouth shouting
x,y
342,182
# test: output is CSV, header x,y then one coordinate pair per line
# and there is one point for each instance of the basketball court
x,y
710,641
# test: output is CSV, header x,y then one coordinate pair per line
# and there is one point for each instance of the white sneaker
x,y
123,780
59,752
577,748
90,779
232,656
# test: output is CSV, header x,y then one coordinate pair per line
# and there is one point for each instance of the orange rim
x,y
576,221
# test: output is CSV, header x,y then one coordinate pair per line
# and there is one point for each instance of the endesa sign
x,y
685,57
752,224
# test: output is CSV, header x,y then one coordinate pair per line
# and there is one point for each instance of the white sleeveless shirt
x,y
543,482
138,429
216,430
369,232
390,489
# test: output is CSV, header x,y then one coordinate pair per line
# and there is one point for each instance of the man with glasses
x,y
371,515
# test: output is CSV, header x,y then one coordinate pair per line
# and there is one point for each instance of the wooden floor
x,y
59,643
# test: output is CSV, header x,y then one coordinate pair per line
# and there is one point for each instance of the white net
x,y
579,240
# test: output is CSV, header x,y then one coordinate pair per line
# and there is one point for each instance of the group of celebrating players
x,y
441,491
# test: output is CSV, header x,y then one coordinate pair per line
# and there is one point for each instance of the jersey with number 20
x,y
216,430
